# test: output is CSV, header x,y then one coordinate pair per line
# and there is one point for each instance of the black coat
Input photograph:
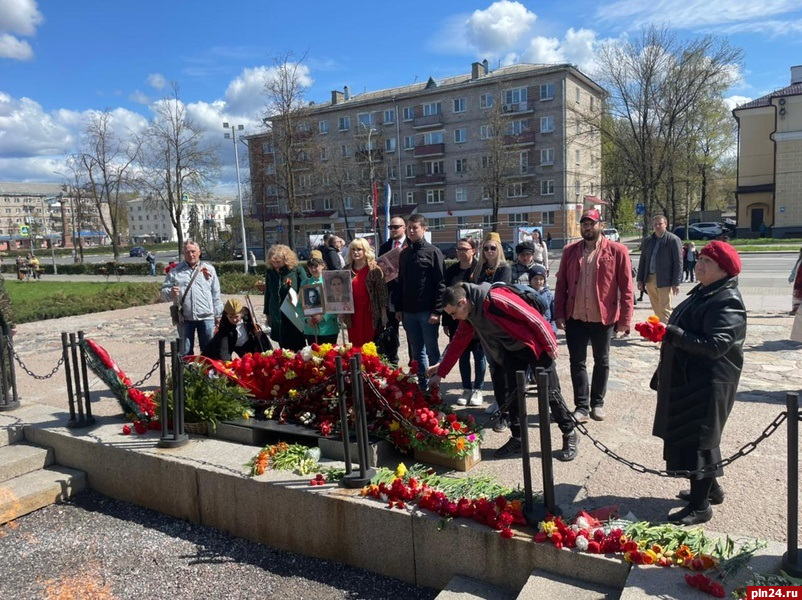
x,y
223,344
700,365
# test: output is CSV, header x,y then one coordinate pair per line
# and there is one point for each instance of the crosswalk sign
x,y
24,230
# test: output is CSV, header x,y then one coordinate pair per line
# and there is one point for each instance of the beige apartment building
x,y
442,145
770,162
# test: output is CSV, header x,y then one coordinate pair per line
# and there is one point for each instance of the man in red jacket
x,y
592,299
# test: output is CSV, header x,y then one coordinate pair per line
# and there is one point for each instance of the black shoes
x,y
716,496
570,446
690,516
513,446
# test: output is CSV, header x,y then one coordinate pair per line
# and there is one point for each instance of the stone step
x,y
543,584
10,434
462,587
20,458
32,491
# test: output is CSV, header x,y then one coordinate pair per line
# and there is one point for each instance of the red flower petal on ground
x,y
126,430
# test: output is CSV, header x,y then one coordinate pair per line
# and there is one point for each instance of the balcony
x,y
433,179
517,108
427,121
527,138
430,150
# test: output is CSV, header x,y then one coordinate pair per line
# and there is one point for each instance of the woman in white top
x,y
541,256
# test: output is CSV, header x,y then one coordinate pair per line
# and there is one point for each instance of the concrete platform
x,y
20,458
32,491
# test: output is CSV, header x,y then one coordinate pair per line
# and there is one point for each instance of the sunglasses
x,y
490,248
396,226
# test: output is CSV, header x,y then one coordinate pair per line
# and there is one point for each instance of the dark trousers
x,y
392,321
519,361
577,335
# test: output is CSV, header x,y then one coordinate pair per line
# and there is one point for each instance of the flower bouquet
x,y
652,330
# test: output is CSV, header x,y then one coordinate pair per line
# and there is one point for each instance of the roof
x,y
29,189
791,90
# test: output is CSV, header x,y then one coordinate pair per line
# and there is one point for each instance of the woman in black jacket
x,y
237,333
700,365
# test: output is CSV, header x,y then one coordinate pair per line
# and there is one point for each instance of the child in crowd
x,y
323,328
537,281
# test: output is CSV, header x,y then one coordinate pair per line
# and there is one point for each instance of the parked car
x,y
701,231
449,249
612,234
258,252
509,251
303,253
137,251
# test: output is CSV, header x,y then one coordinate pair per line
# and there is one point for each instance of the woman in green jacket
x,y
283,274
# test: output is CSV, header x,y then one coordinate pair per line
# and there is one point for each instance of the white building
x,y
149,220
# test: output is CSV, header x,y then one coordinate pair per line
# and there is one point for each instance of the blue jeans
x,y
422,337
480,364
186,332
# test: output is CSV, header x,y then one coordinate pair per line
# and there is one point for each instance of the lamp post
x,y
372,187
233,136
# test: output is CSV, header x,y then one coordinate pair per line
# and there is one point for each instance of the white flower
x,y
582,523
581,543
307,354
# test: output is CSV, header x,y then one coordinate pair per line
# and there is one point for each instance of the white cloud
x,y
733,101
577,47
11,47
156,80
499,28
18,18
139,97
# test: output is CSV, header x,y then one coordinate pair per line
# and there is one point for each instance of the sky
x,y
62,60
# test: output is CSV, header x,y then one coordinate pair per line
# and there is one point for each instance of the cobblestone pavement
x,y
755,484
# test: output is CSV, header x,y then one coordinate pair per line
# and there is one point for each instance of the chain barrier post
x,y
175,436
523,419
84,416
338,363
366,473
85,375
547,461
8,398
790,561
65,356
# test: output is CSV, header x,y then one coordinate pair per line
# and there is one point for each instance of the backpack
x,y
524,292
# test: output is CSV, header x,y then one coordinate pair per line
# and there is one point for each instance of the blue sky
x,y
60,60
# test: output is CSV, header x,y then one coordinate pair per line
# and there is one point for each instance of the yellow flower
x,y
401,470
324,350
548,527
369,349
394,426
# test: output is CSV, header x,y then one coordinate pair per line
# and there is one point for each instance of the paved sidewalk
x,y
756,497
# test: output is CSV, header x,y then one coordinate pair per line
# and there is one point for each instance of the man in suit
x,y
398,239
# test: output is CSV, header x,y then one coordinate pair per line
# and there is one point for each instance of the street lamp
x,y
372,186
233,137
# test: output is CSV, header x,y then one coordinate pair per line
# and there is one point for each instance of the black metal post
x,y
83,419
8,397
175,436
65,354
11,366
546,459
526,459
366,473
85,375
790,561
338,363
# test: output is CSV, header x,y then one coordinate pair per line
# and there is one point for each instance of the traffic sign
x,y
24,230
640,209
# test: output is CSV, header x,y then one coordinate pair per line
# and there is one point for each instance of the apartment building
x,y
149,221
522,134
769,187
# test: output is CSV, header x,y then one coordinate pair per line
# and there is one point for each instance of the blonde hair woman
x,y
282,274
492,266
370,294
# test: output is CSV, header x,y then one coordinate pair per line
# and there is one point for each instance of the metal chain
x,y
148,374
639,468
31,373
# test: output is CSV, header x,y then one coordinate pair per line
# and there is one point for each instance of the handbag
x,y
177,310
175,314
386,341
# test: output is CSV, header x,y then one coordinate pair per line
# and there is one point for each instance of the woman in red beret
x,y
700,364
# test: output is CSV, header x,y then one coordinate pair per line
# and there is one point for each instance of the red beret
x,y
724,255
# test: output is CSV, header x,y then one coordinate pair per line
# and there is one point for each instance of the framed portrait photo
x,y
337,292
312,299
388,263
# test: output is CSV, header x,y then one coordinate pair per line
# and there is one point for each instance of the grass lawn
x,y
38,300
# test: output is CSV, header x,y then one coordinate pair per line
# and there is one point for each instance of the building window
x,y
389,145
325,179
518,219
396,200
432,108
324,155
576,187
345,150
547,156
437,224
308,205
516,190
392,172
267,147
485,161
434,137
547,91
460,136
515,99
523,161
486,101
409,142
547,217
435,167
461,195
461,165
389,116
409,113
272,190
365,119
578,95
591,103
485,132
462,221
344,123
409,171
323,127
410,199
327,204
517,127
435,197
547,187
577,155
348,203
459,105
546,124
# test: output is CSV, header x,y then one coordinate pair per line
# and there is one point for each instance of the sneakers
x,y
597,413
690,516
491,409
579,416
502,425
463,398
513,446
570,447
716,496
477,398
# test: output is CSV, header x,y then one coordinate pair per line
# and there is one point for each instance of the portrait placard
x,y
312,299
388,263
337,292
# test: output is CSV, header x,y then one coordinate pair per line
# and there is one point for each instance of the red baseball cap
x,y
593,214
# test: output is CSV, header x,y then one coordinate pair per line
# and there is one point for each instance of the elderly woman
x,y
370,294
283,273
700,364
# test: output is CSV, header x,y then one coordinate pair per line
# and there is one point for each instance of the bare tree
x,y
174,160
338,179
106,163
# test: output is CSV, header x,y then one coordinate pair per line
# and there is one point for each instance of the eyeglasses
x,y
396,226
490,248
464,249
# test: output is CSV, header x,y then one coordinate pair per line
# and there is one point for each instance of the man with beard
x,y
593,273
